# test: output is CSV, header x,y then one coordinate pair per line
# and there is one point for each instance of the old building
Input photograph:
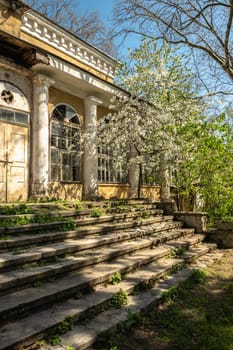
x,y
53,85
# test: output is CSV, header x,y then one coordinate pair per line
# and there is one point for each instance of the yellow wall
x,y
109,191
113,191
151,192
10,21
65,191
102,112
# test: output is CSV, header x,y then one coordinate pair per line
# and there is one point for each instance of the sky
x,y
104,7
105,10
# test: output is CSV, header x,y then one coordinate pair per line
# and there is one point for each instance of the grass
x,y
196,315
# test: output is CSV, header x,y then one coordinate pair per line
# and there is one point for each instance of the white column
x,y
40,135
90,158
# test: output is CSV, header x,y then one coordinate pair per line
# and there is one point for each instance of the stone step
x,y
30,298
84,215
85,219
47,251
24,240
19,302
27,330
83,336
19,278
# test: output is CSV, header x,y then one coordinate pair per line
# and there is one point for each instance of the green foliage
x,y
196,277
116,278
176,252
66,224
40,343
96,213
66,325
18,251
204,167
37,284
78,204
55,340
133,319
69,347
15,209
119,299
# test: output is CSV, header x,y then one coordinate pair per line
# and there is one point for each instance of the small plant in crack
x,y
119,299
66,325
116,278
96,213
132,321
37,284
55,340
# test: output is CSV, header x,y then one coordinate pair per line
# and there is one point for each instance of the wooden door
x,y
13,163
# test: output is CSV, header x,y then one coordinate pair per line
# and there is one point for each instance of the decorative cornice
x,y
78,73
47,32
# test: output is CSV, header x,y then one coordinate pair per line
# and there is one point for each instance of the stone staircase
x,y
70,286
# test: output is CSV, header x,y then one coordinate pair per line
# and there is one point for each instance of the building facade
x,y
53,85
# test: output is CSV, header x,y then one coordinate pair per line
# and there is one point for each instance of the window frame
x,y
66,132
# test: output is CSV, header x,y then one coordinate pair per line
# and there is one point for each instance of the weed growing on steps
x,y
116,278
40,343
132,321
96,213
66,224
119,299
69,347
177,252
18,251
66,325
15,209
37,284
4,237
171,295
55,340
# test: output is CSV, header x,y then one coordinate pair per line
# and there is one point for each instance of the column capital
x,y
92,100
42,80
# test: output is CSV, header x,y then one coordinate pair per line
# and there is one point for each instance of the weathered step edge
x,y
32,298
83,336
22,278
61,235
10,259
102,323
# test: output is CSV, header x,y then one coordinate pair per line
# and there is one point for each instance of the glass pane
x,y
59,112
66,173
55,129
62,143
21,118
66,161
54,156
6,115
54,173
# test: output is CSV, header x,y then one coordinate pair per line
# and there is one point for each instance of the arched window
x,y
65,144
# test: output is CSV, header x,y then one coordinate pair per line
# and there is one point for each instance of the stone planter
x,y
195,220
222,235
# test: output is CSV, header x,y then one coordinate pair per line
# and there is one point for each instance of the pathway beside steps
x,y
60,274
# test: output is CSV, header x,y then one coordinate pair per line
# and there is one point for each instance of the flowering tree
x,y
159,99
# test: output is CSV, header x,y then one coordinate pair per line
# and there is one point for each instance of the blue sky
x,y
104,7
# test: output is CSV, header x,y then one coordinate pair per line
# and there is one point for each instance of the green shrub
x,y
96,213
